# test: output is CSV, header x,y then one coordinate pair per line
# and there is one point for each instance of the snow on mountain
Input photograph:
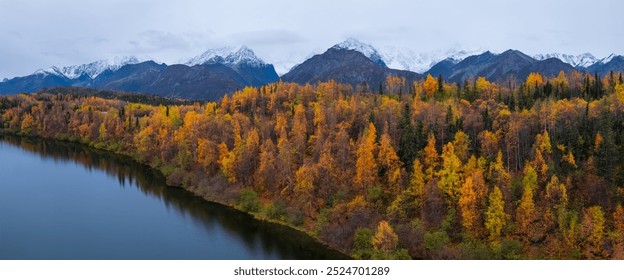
x,y
403,59
406,59
365,49
92,69
608,58
582,60
227,56
49,71
96,68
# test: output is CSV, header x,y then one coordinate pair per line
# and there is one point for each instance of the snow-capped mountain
x,y
96,68
366,49
403,59
227,56
613,62
92,69
580,61
50,71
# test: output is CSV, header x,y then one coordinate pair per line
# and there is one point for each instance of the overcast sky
x,y
38,34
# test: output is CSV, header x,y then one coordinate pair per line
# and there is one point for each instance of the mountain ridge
x,y
226,69
208,80
344,66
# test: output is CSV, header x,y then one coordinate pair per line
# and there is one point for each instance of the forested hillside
x,y
481,170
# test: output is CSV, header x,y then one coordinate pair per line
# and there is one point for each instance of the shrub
x,y
249,201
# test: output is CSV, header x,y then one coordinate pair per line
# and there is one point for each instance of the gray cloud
x,y
266,37
155,40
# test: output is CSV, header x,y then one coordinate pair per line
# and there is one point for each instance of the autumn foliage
x,y
431,170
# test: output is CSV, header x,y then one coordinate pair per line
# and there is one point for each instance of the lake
x,y
62,200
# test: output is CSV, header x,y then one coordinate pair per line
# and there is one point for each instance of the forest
x,y
529,169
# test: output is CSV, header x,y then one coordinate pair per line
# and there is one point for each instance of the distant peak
x,y
355,45
92,69
581,60
363,48
512,51
609,58
229,56
517,54
350,43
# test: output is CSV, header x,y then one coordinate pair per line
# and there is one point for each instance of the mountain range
x,y
205,77
219,71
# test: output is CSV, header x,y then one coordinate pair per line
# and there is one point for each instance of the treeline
x,y
478,170
121,95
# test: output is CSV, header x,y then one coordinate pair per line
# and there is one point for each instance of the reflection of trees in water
x,y
274,240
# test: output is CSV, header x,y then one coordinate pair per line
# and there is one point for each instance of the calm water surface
x,y
65,201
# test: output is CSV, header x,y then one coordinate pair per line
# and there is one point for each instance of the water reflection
x,y
260,240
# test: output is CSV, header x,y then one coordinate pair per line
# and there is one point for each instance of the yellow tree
x,y
281,125
265,174
304,189
450,175
560,82
248,158
593,230
430,157
102,132
489,143
468,206
544,144
304,179
480,187
299,133
556,202
385,239
482,84
462,144
525,213
541,166
499,176
366,165
144,141
207,155
431,86
29,125
556,193
284,164
485,87
619,92
534,80
475,168
495,216
327,167
395,84
417,183
389,162
228,162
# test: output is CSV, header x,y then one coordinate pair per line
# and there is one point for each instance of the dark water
x,y
65,201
